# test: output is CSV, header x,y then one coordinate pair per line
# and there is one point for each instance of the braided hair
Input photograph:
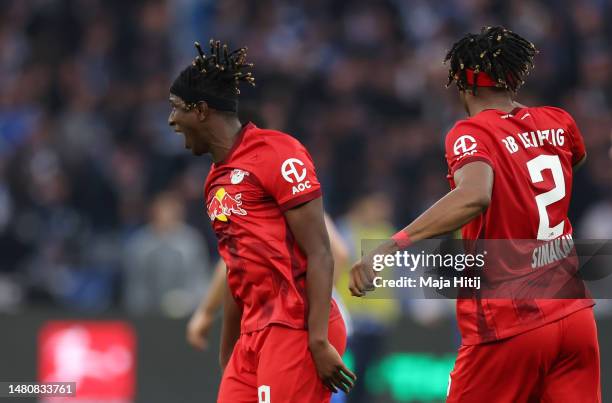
x,y
504,56
214,78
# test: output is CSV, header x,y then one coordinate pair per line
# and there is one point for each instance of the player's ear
x,y
202,111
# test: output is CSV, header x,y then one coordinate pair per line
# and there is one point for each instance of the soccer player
x,y
202,320
282,332
510,171
203,317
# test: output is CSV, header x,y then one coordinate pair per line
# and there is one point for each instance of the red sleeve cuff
x,y
467,160
301,199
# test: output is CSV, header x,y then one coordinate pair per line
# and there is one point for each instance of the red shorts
x,y
558,362
274,365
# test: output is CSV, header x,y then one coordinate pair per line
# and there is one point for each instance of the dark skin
x,y
206,131
209,131
488,98
201,321
308,227
230,330
469,199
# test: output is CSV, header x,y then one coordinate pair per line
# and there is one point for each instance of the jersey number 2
x,y
535,167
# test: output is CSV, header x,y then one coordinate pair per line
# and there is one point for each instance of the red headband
x,y
484,80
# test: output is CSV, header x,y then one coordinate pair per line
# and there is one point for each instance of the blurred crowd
x,y
100,204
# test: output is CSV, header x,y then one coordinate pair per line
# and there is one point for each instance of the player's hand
x,y
362,277
332,371
362,273
198,328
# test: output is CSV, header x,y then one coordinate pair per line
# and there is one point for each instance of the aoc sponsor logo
x,y
293,171
465,145
300,187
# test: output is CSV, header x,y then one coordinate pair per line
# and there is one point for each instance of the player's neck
x,y
223,139
494,100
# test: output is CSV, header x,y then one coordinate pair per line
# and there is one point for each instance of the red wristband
x,y
402,240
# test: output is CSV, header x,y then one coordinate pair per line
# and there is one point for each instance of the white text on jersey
x,y
538,138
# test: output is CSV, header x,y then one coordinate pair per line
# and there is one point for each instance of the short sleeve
x,y
466,143
287,172
577,146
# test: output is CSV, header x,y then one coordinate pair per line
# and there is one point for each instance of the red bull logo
x,y
224,205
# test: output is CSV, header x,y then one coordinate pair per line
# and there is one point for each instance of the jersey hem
x,y
334,314
515,331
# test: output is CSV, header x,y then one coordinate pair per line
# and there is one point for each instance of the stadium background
x,y
101,214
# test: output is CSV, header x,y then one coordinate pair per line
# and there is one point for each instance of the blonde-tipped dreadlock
x,y
505,56
225,69
214,78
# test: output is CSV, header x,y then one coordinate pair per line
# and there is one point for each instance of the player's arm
x,y
202,319
471,196
308,227
580,163
230,331
339,249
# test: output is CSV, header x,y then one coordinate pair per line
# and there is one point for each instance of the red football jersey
x,y
265,173
532,152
